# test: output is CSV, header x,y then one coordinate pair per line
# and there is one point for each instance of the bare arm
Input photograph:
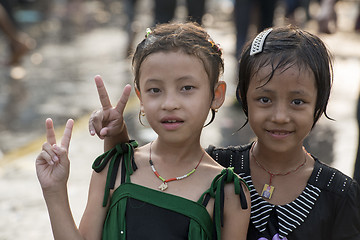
x,y
108,122
236,219
52,168
62,222
92,221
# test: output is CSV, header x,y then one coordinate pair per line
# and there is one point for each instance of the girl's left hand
x,y
108,121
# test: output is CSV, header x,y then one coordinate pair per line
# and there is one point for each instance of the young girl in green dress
x,y
285,78
170,188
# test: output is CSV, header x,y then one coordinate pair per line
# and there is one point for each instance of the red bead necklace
x,y
268,189
164,185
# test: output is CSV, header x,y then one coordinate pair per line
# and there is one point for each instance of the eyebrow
x,y
186,77
295,92
152,80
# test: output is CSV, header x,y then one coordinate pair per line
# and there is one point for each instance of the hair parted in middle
x,y
189,38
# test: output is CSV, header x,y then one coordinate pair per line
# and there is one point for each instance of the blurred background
x,y
50,51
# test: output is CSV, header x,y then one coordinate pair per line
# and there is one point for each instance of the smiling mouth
x,y
279,132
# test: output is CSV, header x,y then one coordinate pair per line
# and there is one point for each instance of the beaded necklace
x,y
164,185
268,189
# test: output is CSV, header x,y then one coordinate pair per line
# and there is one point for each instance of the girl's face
x,y
174,94
281,112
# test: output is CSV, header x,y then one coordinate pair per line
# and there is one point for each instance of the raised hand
x,y
108,121
52,164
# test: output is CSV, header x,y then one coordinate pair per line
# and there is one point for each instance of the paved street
x,y
56,80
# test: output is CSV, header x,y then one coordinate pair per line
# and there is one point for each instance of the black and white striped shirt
x,y
328,207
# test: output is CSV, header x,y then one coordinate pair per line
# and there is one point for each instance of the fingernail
x,y
55,159
92,132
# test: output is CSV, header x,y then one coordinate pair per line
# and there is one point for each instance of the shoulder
x,y
212,150
340,196
233,187
229,156
332,180
231,206
232,156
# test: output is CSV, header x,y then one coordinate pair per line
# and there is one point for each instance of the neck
x,y
176,152
278,162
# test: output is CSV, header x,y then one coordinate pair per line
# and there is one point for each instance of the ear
x,y
219,95
138,94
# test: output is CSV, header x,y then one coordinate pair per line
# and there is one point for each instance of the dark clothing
x,y
151,219
165,10
9,9
243,12
328,208
137,212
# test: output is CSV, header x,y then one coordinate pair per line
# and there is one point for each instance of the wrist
x,y
113,140
54,191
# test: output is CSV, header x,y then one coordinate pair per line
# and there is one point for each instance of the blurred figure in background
x,y
130,10
356,175
357,22
327,18
292,5
357,160
244,10
165,10
17,41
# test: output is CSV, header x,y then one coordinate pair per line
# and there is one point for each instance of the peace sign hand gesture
x,y
108,121
52,164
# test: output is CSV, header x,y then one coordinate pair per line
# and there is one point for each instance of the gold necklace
x,y
268,189
164,185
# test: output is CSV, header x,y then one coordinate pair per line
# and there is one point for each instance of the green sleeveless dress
x,y
200,225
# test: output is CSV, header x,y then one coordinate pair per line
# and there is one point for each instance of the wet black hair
x,y
283,48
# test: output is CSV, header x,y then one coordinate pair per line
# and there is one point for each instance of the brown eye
x,y
187,88
297,101
154,90
264,100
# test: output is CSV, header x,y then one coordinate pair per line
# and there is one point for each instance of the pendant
x,y
163,186
267,191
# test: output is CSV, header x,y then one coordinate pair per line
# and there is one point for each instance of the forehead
x,y
166,65
291,74
175,56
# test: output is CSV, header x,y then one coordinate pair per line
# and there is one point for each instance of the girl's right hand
x,y
108,121
52,164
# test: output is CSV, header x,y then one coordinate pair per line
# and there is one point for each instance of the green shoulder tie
x,y
121,151
216,191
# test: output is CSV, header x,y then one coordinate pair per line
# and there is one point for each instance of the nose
x,y
170,102
281,113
